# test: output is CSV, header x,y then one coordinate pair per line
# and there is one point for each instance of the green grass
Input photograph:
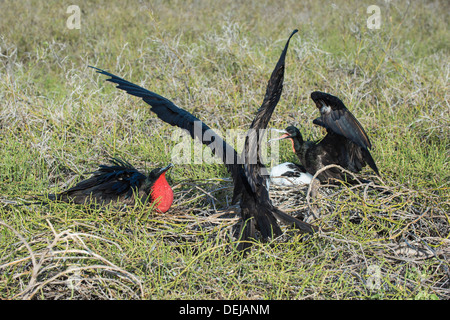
x,y
59,120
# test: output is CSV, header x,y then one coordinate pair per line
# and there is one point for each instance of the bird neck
x,y
297,143
162,194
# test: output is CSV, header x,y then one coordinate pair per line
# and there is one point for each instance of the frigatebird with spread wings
x,y
346,143
250,181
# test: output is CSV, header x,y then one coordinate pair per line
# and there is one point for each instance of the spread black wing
x,y
167,111
254,168
256,174
273,91
336,117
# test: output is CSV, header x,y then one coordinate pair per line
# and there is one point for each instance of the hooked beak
x,y
285,135
163,170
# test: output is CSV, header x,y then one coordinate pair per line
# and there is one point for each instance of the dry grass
x,y
392,245
59,120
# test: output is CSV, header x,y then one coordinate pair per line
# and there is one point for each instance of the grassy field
x,y
59,120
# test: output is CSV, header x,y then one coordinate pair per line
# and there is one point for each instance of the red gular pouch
x,y
161,192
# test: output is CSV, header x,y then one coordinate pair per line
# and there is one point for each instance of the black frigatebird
x,y
247,171
121,183
345,144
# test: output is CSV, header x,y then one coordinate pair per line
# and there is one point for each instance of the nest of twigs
x,y
405,226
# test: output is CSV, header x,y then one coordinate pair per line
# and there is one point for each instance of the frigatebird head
x,y
156,173
291,133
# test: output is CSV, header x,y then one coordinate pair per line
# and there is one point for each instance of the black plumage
x,y
345,144
250,179
119,183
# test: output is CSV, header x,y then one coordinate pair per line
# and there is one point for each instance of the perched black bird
x,y
247,171
121,183
346,143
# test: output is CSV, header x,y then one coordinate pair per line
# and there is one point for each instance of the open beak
x,y
285,135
